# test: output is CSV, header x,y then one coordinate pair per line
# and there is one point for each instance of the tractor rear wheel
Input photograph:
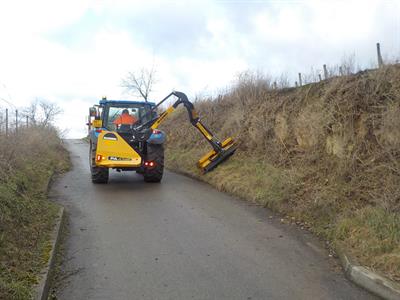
x,y
155,154
99,175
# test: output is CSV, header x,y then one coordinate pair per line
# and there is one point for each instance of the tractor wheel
x,y
155,153
99,175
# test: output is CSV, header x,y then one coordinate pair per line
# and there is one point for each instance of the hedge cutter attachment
x,y
220,150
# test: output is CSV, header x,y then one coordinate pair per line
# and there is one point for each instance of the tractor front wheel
x,y
99,175
155,154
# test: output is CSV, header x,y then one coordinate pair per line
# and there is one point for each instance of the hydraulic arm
x,y
221,150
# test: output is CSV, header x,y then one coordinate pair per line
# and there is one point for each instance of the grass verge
x,y
28,161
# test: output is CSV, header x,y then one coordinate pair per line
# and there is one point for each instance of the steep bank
x,y
27,162
326,155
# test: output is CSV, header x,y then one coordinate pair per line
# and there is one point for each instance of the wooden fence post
x,y
6,121
16,121
300,81
296,83
320,77
378,52
325,72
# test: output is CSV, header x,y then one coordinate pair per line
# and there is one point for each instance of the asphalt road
x,y
182,239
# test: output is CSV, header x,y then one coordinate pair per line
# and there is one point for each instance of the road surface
x,y
182,239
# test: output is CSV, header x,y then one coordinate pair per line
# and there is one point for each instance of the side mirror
x,y
93,111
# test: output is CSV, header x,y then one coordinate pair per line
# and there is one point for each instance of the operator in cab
x,y
124,120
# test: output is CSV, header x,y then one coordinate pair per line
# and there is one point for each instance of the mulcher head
x,y
214,158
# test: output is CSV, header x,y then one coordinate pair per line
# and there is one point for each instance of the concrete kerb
x,y
42,288
371,281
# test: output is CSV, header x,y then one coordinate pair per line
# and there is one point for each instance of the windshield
x,y
118,116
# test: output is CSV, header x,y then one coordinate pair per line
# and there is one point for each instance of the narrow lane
x,y
182,239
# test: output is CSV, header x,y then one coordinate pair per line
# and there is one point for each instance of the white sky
x,y
74,52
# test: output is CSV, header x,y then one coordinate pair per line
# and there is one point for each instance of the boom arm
x,y
193,117
220,152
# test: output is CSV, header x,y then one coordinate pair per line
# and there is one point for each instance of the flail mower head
x,y
216,156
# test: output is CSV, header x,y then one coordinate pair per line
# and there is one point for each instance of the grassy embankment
x,y
27,162
325,155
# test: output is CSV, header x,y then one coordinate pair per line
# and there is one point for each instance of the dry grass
x,y
27,162
326,153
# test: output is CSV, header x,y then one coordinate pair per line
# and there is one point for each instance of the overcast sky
x,y
74,52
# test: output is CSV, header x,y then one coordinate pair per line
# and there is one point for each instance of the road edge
x,y
42,288
369,280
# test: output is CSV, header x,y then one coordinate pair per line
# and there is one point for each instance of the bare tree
x,y
41,112
140,83
49,112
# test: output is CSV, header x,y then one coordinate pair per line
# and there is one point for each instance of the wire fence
x,y
39,113
345,68
8,121
12,120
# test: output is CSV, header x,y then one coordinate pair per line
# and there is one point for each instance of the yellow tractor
x,y
124,135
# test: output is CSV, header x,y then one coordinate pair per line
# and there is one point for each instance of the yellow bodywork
x,y
208,158
204,131
115,153
162,117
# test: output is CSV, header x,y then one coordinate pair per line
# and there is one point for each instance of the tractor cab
x,y
111,113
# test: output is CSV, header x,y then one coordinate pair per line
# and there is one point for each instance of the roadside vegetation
x,y
325,156
28,159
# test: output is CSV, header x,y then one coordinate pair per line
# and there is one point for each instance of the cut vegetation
x,y
27,162
326,155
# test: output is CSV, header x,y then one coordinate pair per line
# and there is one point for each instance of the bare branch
x,y
140,83
31,112
49,112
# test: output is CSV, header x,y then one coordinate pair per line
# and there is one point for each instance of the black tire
x,y
99,175
155,153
